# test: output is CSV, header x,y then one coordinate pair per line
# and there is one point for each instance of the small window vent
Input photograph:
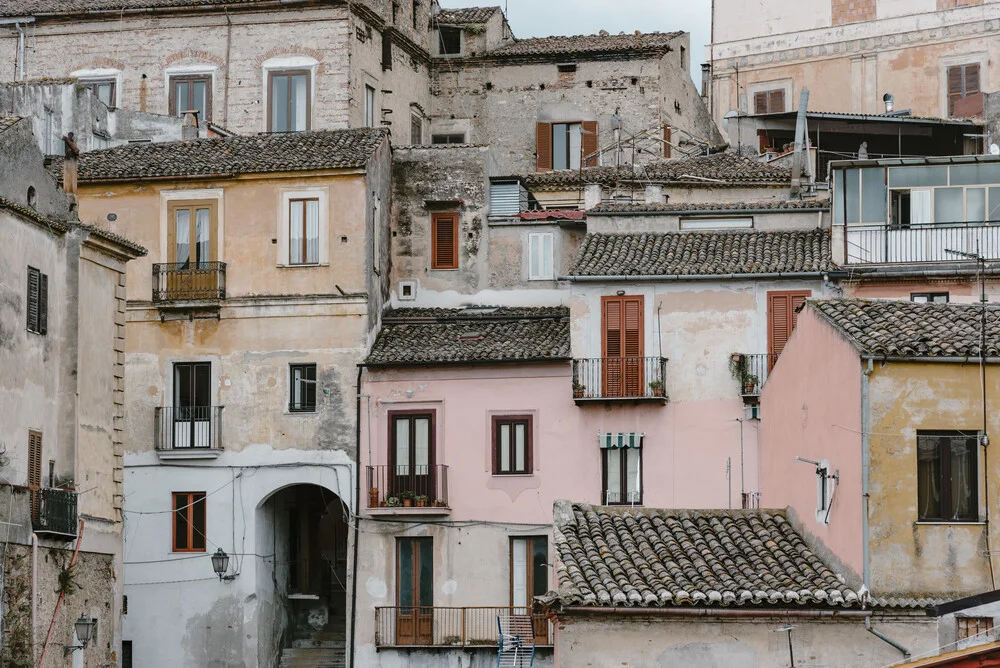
x,y
566,68
407,290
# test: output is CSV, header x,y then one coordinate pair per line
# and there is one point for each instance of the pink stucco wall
x,y
811,408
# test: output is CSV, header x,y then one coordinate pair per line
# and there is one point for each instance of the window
x,y
35,470
769,101
414,591
369,107
909,207
302,388
104,89
947,476
782,316
667,139
192,245
417,129
512,445
450,138
411,454
621,471
970,627
540,256
386,50
444,241
566,68
126,654
192,411
38,301
566,145
189,521
965,97
450,41
929,297
191,93
622,346
529,569
290,100
303,231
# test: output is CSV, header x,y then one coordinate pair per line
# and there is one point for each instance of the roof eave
x,y
704,277
480,362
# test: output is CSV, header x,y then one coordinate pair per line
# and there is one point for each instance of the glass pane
x,y
575,147
963,478
614,490
519,571
181,523
309,389
917,177
540,559
421,451
994,204
312,231
873,195
426,572
971,175
535,255
948,205
183,386
920,207
520,449
296,386
838,197
182,229
298,102
181,97
203,253
853,188
632,462
406,572
928,478
402,446
199,99
202,384
505,448
296,225
198,520
279,103
559,139
547,256
975,205
104,92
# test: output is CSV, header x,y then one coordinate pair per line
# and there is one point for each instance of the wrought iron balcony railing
x,y
54,512
189,281
407,486
402,626
750,371
617,378
930,242
189,428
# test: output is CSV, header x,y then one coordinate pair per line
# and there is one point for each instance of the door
x,y
782,315
622,346
529,577
192,248
35,472
192,405
411,455
414,591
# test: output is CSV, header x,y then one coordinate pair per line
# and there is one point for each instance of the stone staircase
x,y
325,649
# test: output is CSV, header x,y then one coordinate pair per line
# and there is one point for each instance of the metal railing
x,y
54,512
405,485
400,626
619,378
189,281
750,371
891,244
189,428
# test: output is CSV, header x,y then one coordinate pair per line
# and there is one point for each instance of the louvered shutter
x,y
35,471
43,304
34,278
782,314
954,87
632,339
612,346
760,103
666,141
445,242
971,79
622,346
775,101
590,143
543,147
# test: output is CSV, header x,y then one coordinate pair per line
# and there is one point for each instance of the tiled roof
x,y
719,169
7,122
465,15
65,226
903,328
36,7
683,207
644,557
586,44
704,253
284,152
423,336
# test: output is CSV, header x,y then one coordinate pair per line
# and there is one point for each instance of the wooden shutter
x,y
782,316
543,147
760,103
35,470
970,103
666,141
386,51
971,79
43,303
955,80
590,143
622,345
775,101
34,279
444,239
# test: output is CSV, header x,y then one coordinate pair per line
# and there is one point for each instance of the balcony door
x,y
414,591
411,454
622,346
192,248
192,423
529,577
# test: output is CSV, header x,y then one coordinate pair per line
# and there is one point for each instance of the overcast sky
x,y
541,18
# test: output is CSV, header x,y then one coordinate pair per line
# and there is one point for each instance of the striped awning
x,y
617,440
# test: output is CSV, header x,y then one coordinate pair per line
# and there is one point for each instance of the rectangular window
x,y
947,489
512,444
302,388
444,241
622,346
38,301
566,145
191,93
417,129
369,107
929,297
782,316
529,575
450,138
411,454
189,521
290,99
971,627
303,231
104,90
126,654
192,412
540,256
769,101
622,476
414,591
192,241
965,97
450,41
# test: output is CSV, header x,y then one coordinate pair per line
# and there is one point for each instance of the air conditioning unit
x,y
407,291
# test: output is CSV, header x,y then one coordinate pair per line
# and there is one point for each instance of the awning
x,y
615,441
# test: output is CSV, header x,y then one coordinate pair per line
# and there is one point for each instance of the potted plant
x,y
392,502
420,500
578,389
373,497
738,366
407,498
440,503
750,382
657,387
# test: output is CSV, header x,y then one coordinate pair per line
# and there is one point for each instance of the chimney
x,y
70,152
706,78
189,128
888,99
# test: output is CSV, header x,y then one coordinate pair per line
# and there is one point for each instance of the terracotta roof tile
x,y
36,7
704,253
465,15
7,122
587,44
67,225
683,207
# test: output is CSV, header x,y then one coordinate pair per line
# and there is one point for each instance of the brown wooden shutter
x,y
760,103
666,141
34,279
590,143
444,239
386,51
776,101
954,87
971,79
622,345
543,147
782,316
35,470
43,304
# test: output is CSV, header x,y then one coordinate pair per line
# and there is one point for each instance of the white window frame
x,y
284,222
99,74
985,83
287,63
215,194
369,108
536,245
726,223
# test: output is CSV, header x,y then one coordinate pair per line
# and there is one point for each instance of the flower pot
x,y
407,503
421,504
373,497
657,391
578,394
749,388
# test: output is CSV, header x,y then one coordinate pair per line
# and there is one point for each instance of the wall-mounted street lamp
x,y
220,563
84,628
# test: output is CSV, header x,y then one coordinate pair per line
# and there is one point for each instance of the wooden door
x,y
782,316
622,346
35,472
414,591
529,577
411,454
192,424
192,245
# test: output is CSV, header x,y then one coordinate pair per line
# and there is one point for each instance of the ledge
x,y
189,453
584,401
401,511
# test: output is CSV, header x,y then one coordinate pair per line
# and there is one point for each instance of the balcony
x,y
750,371
189,285
916,243
189,432
408,490
619,379
429,627
53,512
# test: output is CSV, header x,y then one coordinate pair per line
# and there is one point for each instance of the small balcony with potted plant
x,y
750,372
619,380
404,489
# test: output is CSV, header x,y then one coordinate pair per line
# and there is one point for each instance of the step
x,y
300,657
320,642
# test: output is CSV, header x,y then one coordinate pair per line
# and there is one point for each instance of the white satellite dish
x,y
994,149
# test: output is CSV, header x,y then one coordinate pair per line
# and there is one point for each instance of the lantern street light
x,y
220,563
84,628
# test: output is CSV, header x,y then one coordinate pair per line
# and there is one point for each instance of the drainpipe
x,y
882,636
865,462
357,532
34,588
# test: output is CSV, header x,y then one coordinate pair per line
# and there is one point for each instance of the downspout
x,y
885,638
34,590
357,531
865,463
229,53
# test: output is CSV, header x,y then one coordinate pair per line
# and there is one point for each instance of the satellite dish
x,y
994,149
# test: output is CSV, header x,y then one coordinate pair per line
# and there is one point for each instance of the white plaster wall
x,y
742,19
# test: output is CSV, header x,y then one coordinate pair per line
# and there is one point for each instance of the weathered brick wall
x,y
853,11
949,4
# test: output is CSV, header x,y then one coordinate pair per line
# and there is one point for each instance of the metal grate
x,y
57,513
189,428
189,281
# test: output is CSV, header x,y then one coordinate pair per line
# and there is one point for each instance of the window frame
x,y
292,201
929,297
568,153
950,99
191,499
499,421
447,138
369,109
435,217
945,482
93,82
305,406
768,98
529,552
284,224
37,299
539,238
416,129
623,471
289,72
460,37
214,228
189,78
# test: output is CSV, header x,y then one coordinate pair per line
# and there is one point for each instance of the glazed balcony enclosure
x,y
619,379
